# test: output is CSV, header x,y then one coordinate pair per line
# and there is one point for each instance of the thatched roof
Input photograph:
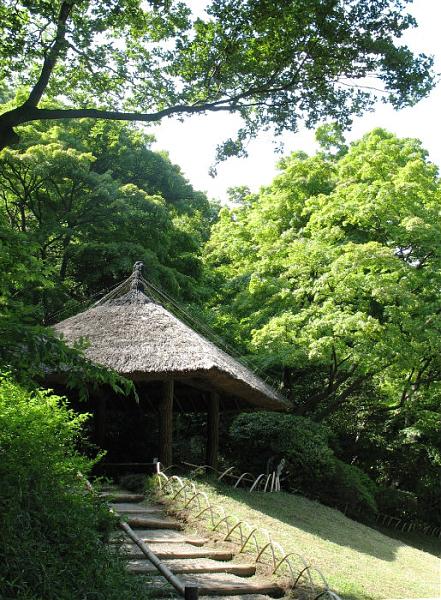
x,y
140,339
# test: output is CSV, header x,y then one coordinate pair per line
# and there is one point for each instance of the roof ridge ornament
x,y
136,277
130,291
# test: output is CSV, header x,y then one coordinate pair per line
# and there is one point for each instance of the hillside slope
x,y
359,562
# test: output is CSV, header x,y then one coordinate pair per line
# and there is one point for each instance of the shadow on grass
x,y
417,540
327,523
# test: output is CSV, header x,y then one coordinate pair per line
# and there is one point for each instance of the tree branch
x,y
410,387
341,398
25,114
52,55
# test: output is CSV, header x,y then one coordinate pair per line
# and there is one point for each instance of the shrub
x,y
349,487
312,467
52,533
260,436
397,503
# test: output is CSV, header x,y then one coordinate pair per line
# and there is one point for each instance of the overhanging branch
x,y
52,55
25,114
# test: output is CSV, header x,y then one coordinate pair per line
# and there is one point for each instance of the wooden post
x,y
166,424
213,430
100,419
191,592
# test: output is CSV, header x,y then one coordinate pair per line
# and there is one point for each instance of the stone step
x,y
152,522
243,597
218,584
119,496
165,536
129,507
178,551
193,566
108,487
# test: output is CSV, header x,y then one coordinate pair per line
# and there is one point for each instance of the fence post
x,y
191,592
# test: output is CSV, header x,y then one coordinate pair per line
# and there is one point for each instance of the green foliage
x,y
312,467
52,533
303,443
27,349
94,194
397,503
329,280
349,487
331,139
273,63
335,268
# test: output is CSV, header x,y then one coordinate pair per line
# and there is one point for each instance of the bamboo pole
x,y
162,568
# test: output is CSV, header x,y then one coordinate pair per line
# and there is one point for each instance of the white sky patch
x,y
192,143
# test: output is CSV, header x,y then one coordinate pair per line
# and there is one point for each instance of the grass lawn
x,y
359,562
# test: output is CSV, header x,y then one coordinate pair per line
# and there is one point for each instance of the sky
x,y
192,144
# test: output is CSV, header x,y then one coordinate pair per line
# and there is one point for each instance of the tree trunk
x,y
8,121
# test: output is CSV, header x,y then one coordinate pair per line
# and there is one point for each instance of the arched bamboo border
x,y
185,496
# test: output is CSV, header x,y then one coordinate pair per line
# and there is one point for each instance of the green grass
x,y
359,562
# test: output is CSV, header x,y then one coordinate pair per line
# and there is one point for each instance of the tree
x,y
271,62
330,280
92,194
332,274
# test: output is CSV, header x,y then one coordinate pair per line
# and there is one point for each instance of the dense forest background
x,y
328,280
326,283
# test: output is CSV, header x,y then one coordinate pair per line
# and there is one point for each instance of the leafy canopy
x,y
336,266
271,62
94,194
329,280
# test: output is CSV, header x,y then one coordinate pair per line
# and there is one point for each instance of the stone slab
x,y
130,507
122,497
221,584
177,551
165,536
152,522
203,565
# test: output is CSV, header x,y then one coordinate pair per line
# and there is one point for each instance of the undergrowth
x,y
53,532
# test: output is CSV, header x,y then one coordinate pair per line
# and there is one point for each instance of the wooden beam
x,y
213,430
166,424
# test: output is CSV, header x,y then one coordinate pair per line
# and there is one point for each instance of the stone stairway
x,y
193,559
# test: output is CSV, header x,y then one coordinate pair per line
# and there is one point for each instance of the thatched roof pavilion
x,y
143,341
